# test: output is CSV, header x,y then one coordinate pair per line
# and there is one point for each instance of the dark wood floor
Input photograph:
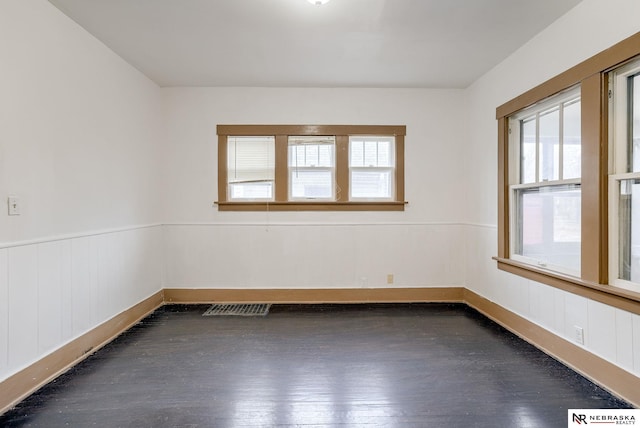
x,y
413,365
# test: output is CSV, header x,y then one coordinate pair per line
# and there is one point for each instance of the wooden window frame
x,y
592,77
281,133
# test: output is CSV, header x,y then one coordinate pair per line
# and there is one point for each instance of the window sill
x,y
310,206
614,296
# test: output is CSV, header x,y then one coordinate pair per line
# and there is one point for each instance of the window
x,y
310,167
569,179
624,191
251,167
371,168
545,225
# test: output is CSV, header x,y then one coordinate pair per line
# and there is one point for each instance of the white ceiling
x,y
291,43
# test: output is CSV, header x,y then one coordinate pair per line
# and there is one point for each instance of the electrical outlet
x,y
14,205
390,278
579,334
364,282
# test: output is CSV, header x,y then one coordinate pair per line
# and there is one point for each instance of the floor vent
x,y
238,309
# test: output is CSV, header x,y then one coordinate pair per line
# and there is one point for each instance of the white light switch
x,y
14,205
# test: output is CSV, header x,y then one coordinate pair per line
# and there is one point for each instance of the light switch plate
x,y
14,205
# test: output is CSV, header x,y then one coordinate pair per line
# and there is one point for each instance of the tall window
x,y
310,167
538,219
624,253
545,186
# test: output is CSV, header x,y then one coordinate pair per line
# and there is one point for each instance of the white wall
x,y
421,246
80,129
589,28
80,133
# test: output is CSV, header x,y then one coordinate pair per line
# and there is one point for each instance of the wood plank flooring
x,y
400,365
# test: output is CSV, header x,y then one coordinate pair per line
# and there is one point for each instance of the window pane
x,y
257,190
311,183
371,184
629,230
371,151
549,221
385,153
311,151
356,153
634,119
549,160
571,141
528,151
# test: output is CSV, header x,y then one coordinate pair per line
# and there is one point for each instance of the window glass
x,y
251,167
624,238
371,152
528,151
634,119
629,230
310,152
371,184
311,167
371,167
549,225
310,184
571,140
549,151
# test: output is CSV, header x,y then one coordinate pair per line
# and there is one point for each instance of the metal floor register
x,y
238,309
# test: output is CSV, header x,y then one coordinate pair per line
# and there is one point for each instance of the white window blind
x,y
251,167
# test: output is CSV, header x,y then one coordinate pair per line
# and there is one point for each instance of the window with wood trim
x,y
545,183
371,168
310,167
588,189
624,181
250,168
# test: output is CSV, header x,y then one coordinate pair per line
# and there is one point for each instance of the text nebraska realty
x,y
605,419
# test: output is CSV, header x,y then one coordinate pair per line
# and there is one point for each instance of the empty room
x,y
255,213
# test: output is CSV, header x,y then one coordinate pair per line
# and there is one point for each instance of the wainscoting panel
x,y
53,309
52,291
23,339
308,256
4,312
84,274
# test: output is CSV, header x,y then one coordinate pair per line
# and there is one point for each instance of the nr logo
x,y
580,419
